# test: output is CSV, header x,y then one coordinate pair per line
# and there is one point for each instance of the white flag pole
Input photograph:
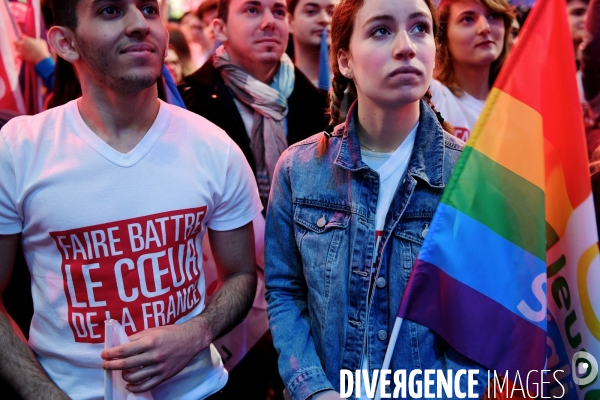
x,y
109,341
388,353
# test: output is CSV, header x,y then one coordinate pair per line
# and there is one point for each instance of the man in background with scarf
x,y
252,90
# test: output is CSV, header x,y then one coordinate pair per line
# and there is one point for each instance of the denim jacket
x,y
319,243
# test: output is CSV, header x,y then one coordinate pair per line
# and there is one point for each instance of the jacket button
x,y
425,231
380,282
321,222
382,335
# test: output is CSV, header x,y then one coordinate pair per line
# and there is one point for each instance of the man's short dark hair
x,y
292,4
223,9
65,13
205,7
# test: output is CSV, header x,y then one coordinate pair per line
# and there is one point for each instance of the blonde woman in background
x,y
473,45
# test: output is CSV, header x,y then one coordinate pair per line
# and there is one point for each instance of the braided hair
x,y
445,124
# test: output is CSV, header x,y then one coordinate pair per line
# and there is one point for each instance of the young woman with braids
x,y
473,45
350,207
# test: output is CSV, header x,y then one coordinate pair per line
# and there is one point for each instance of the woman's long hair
x,y
342,26
445,71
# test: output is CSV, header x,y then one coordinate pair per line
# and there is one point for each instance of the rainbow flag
x,y
509,273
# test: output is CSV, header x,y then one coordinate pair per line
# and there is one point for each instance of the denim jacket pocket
x,y
320,231
411,231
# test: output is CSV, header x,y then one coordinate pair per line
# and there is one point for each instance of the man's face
x,y
256,32
121,43
207,26
191,27
309,19
577,12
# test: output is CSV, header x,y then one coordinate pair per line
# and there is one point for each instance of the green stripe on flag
x,y
500,199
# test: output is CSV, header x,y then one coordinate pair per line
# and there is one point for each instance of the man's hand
x,y
156,354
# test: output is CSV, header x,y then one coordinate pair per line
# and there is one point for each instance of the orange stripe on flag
x,y
551,83
511,133
558,204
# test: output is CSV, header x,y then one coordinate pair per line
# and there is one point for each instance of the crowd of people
x,y
317,200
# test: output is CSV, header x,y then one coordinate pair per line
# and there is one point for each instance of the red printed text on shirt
x,y
143,272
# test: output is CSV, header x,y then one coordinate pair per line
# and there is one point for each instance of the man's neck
x,y
474,80
306,58
121,120
264,72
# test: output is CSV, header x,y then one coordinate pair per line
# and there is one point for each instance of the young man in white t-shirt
x,y
110,196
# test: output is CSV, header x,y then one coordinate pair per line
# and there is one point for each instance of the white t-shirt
x,y
390,167
113,235
461,112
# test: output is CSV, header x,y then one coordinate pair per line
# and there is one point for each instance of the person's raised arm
x,y
18,365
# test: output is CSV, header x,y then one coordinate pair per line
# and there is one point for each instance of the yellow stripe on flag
x,y
585,262
512,135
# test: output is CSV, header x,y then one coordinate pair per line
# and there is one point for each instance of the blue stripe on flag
x,y
472,253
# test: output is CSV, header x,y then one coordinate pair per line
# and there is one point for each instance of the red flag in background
x,y
28,17
32,84
10,93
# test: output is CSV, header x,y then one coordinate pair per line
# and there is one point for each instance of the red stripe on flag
x,y
544,79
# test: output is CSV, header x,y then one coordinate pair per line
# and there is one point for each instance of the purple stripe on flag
x,y
472,323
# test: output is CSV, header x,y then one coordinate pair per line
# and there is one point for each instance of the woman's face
x,y
475,33
392,52
515,28
191,27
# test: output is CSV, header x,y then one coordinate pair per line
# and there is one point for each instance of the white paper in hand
x,y
114,385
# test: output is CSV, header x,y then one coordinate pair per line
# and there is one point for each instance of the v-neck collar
x,y
400,156
105,150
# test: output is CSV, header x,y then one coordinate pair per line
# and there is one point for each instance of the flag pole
x,y
388,353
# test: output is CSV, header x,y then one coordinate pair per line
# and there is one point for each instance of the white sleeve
x,y
437,93
239,203
10,221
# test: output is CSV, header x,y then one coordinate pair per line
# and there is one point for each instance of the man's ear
x,y
62,41
167,44
220,30
290,19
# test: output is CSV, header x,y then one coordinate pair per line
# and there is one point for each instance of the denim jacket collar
x,y
426,161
